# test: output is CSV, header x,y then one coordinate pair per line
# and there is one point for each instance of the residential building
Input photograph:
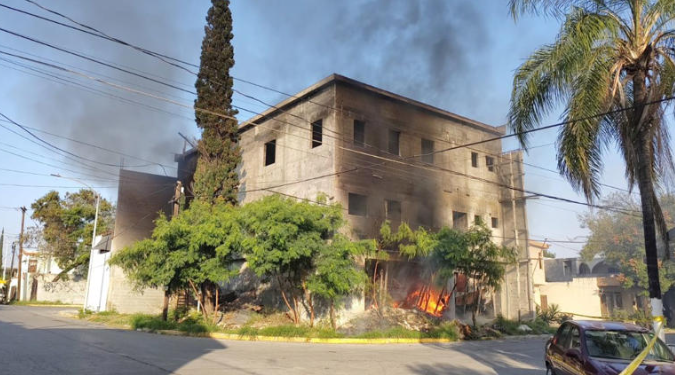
x,y
586,290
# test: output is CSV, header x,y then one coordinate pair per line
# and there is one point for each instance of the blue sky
x,y
457,55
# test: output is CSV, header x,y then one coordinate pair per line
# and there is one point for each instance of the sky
x,y
457,55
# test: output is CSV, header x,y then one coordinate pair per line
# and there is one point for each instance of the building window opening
x,y
427,151
477,220
358,204
495,223
394,142
317,133
474,159
425,217
393,211
270,152
359,133
459,220
490,163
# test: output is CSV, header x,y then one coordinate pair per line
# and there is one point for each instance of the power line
x,y
438,151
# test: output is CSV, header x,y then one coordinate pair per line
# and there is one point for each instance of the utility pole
x,y
176,209
18,285
8,290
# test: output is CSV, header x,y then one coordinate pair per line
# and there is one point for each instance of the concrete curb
x,y
308,340
42,305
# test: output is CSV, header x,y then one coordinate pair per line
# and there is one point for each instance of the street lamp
x,y
93,236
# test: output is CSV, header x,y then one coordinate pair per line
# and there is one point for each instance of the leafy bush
x,y
510,327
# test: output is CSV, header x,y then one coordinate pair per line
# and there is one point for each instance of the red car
x,y
604,348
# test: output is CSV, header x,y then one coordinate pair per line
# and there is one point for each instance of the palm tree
x,y
612,66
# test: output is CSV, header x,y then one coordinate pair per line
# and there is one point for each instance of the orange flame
x,y
425,299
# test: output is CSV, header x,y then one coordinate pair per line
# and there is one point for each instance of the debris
x,y
524,328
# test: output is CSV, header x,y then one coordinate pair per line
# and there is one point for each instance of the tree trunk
x,y
333,322
207,299
645,180
310,303
165,306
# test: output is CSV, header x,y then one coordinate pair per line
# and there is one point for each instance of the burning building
x,y
387,157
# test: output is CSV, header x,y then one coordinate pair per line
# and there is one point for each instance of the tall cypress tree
x,y
216,177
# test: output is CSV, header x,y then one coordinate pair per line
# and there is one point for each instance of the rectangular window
x,y
393,211
459,220
359,133
270,152
425,216
394,139
477,220
317,133
495,222
427,151
490,163
474,159
358,204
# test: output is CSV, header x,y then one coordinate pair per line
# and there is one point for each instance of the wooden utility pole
x,y
18,285
176,208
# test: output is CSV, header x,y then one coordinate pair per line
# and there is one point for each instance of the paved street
x,y
38,341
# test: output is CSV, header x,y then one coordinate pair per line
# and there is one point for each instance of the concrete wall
x,y
579,296
141,197
68,291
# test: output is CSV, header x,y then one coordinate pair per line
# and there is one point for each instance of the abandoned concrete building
x,y
384,157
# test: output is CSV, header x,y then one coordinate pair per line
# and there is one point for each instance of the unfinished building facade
x,y
386,157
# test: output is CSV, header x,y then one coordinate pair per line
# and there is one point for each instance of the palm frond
x,y
582,141
547,77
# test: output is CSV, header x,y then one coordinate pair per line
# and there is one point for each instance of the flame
x,y
426,299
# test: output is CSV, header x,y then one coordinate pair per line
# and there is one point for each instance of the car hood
x,y
613,367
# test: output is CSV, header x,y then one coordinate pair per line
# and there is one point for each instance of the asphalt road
x,y
38,341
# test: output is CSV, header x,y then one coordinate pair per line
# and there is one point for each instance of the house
x,y
587,290
383,156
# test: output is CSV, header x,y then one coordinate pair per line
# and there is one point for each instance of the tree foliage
x,y
611,66
196,248
296,245
216,176
66,226
618,238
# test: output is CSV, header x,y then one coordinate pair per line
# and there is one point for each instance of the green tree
x,y
283,240
195,250
618,238
548,254
610,64
216,176
336,274
66,226
473,254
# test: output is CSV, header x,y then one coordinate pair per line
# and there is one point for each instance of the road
x,y
38,341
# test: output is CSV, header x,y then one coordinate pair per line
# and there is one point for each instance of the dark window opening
x,y
317,133
359,133
490,162
358,204
459,220
427,151
394,139
474,159
477,220
393,211
495,222
270,152
425,217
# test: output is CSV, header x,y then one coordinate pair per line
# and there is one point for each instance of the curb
x,y
42,305
308,340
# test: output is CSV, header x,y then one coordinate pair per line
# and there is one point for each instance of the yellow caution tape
x,y
641,357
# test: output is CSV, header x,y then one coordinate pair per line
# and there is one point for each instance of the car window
x,y
575,339
624,345
563,335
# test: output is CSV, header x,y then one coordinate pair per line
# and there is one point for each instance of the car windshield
x,y
624,345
